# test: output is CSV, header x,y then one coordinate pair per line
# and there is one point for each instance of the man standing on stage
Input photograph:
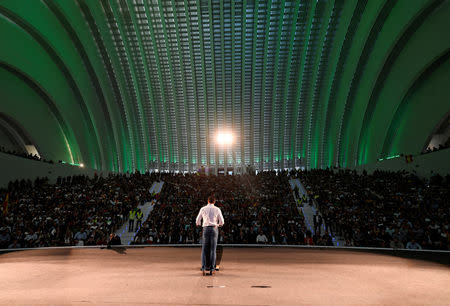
x,y
212,219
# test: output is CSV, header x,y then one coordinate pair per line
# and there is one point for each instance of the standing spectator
x,y
131,217
139,216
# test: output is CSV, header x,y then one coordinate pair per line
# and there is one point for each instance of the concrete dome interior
x,y
121,85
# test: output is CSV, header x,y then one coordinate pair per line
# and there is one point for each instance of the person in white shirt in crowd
x,y
80,235
212,218
413,245
261,238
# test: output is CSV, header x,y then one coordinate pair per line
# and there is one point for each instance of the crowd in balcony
x,y
257,209
441,146
75,211
384,209
24,155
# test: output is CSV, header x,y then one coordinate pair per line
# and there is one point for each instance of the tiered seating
x,y
385,209
252,205
76,211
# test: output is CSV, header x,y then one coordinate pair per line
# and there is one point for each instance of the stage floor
x,y
171,276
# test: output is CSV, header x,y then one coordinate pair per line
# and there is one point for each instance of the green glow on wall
x,y
320,65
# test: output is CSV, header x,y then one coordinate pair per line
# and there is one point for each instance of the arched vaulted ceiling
x,y
140,84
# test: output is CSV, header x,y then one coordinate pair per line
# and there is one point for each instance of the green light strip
x,y
243,26
213,81
161,83
116,76
131,62
286,85
183,81
252,97
205,100
147,76
194,79
233,79
275,81
173,88
315,90
263,85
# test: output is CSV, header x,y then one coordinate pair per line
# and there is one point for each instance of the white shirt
x,y
261,238
211,215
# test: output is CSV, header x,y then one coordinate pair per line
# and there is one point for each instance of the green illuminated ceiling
x,y
141,84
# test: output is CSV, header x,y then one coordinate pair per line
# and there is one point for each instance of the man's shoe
x,y
203,272
212,272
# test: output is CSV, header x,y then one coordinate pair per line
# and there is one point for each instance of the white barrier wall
x,y
16,168
423,166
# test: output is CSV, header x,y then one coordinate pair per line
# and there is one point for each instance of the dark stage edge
x,y
171,276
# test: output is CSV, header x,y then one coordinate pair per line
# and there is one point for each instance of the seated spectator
x,y
396,244
413,245
261,238
80,235
14,245
114,240
4,238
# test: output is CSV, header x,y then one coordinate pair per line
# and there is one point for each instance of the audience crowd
x,y
385,209
74,211
256,208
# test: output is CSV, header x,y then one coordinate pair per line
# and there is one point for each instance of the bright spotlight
x,y
82,165
224,138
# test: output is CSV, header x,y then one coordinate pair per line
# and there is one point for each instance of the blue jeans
x,y
209,244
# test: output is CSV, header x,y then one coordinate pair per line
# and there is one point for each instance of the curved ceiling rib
x,y
322,83
332,110
387,66
319,29
185,134
145,68
122,19
165,106
345,146
193,140
173,105
402,109
368,17
413,59
263,85
309,83
70,141
120,85
97,150
126,139
112,141
284,96
274,86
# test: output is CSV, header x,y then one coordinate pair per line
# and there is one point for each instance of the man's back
x,y
211,215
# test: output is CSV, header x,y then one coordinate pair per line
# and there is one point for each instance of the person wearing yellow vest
x,y
139,215
131,217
